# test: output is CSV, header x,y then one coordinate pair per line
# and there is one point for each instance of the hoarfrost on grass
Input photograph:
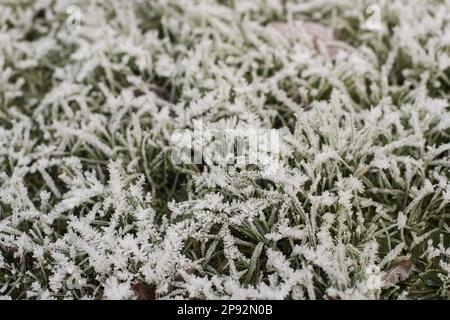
x,y
355,206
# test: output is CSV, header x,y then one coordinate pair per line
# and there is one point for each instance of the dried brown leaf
x,y
398,272
144,292
185,271
318,33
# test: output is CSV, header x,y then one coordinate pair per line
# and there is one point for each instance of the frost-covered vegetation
x,y
92,205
